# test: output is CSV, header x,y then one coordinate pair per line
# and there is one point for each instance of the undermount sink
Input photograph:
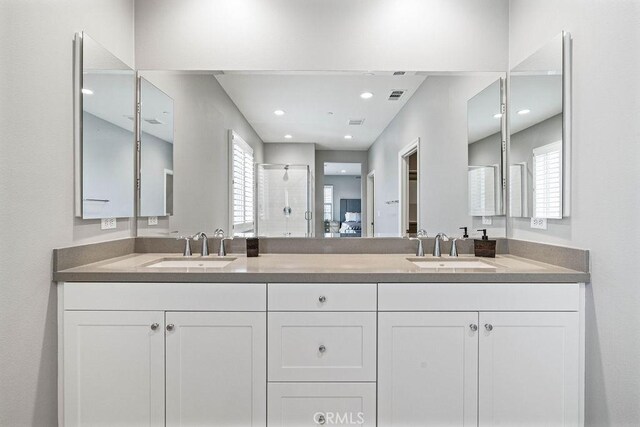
x,y
192,262
440,264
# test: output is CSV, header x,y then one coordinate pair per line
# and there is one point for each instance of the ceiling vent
x,y
153,121
396,94
399,73
356,122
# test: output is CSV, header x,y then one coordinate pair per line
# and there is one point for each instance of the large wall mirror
x,y
105,124
539,156
320,154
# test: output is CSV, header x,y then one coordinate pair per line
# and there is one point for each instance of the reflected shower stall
x,y
284,200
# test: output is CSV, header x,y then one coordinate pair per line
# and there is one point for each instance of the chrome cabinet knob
x,y
473,327
322,299
321,419
170,327
322,349
488,327
154,326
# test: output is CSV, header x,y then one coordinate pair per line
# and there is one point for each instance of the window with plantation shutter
x,y
547,181
482,194
328,202
243,179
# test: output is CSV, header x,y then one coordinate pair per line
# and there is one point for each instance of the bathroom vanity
x,y
312,339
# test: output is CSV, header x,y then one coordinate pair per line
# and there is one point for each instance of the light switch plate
x,y
486,220
152,220
540,223
107,223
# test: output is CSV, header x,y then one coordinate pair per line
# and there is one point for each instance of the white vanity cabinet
x,y
487,367
295,354
162,365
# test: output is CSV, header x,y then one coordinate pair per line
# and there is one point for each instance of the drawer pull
x,y
321,419
322,349
322,299
473,327
154,326
488,327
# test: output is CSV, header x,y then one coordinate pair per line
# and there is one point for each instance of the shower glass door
x,y
283,200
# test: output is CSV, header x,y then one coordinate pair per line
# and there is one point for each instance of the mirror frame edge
x,y
567,133
77,122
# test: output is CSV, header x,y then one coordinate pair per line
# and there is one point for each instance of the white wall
x,y
434,35
156,157
290,153
437,114
605,179
108,171
203,115
36,185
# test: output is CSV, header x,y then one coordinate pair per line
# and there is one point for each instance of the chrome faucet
x,y
222,250
454,247
205,242
422,234
454,242
187,245
436,248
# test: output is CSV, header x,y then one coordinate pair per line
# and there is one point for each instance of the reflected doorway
x,y
342,197
371,194
409,188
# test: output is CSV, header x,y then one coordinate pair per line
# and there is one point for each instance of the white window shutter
x,y
547,181
243,186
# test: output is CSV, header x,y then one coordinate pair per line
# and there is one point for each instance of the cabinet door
x,y
216,369
427,369
113,368
529,373
313,404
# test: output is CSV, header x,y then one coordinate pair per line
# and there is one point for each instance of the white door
x,y
427,369
313,404
216,369
113,368
529,373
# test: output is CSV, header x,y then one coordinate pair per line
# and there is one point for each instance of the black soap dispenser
x,y
484,247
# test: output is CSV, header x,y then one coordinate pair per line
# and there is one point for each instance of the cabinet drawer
x,y
304,404
478,296
165,296
322,297
322,346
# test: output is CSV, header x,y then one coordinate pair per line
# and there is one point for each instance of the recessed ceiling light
x,y
348,137
87,91
366,95
287,136
343,171
497,116
525,111
279,112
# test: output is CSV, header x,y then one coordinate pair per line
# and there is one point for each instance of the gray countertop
x,y
344,268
